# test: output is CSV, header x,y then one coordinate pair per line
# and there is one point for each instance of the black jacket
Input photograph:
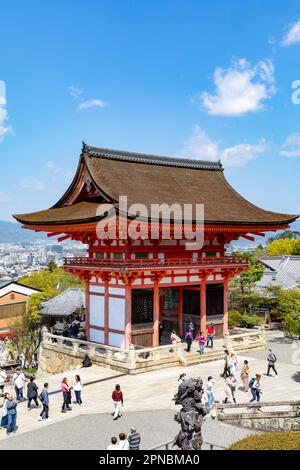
x,y
32,390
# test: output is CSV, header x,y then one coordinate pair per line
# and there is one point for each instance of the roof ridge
x,y
151,159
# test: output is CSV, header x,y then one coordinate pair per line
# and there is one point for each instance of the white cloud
x,y
95,103
32,185
241,154
78,95
3,112
200,146
291,147
240,89
292,36
75,92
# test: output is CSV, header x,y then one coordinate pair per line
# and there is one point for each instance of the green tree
x,y
286,246
288,308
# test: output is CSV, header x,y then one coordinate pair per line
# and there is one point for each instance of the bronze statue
x,y
191,415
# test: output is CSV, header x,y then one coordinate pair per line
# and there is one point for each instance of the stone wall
x,y
289,422
55,362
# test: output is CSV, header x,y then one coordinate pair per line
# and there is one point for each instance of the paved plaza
x,y
148,404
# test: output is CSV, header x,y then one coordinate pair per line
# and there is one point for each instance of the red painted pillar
x,y
225,316
87,310
128,303
155,339
203,307
106,312
180,310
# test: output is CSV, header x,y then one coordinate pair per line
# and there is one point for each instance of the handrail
x,y
166,445
154,262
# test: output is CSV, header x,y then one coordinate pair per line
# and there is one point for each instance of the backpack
x,y
274,357
251,383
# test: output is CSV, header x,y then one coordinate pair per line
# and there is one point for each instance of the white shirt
x,y
77,386
123,445
2,377
113,447
19,379
210,386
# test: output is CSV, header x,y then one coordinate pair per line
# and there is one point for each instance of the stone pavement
x,y
93,432
151,391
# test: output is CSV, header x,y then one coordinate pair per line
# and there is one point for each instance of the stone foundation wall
x,y
54,362
287,423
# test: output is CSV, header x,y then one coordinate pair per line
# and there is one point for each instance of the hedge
x,y
269,441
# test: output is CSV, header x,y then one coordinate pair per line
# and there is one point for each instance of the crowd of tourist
x,y
231,372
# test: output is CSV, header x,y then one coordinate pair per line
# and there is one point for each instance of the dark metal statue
x,y
191,415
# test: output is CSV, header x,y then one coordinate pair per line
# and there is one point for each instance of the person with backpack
x,y
271,362
11,408
201,342
255,388
44,397
32,393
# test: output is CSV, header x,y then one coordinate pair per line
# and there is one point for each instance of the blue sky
x,y
195,78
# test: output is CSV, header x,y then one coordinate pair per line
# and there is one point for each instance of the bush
x,y
234,318
269,441
242,320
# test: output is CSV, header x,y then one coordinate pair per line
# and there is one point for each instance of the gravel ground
x,y
93,432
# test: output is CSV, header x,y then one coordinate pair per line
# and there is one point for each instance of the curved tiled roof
x,y
150,179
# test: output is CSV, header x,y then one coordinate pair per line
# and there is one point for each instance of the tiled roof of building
x,y
149,179
65,303
280,271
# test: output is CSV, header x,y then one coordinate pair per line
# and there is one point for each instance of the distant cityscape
x,y
21,259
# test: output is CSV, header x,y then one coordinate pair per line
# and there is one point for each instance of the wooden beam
x,y
248,237
65,237
53,234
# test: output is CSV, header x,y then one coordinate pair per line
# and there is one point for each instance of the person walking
x,y
233,366
78,385
123,442
66,395
255,387
11,407
44,397
191,326
209,388
210,335
32,393
117,397
134,439
3,377
226,371
182,378
201,342
3,424
245,375
19,382
271,362
189,340
230,389
113,444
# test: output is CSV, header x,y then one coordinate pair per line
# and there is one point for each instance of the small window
x,y
12,296
141,255
117,255
99,255
211,254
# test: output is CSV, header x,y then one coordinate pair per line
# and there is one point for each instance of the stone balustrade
x,y
263,416
59,354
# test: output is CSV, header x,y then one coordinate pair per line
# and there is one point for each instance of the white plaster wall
x,y
116,314
97,289
97,310
97,336
116,340
116,290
